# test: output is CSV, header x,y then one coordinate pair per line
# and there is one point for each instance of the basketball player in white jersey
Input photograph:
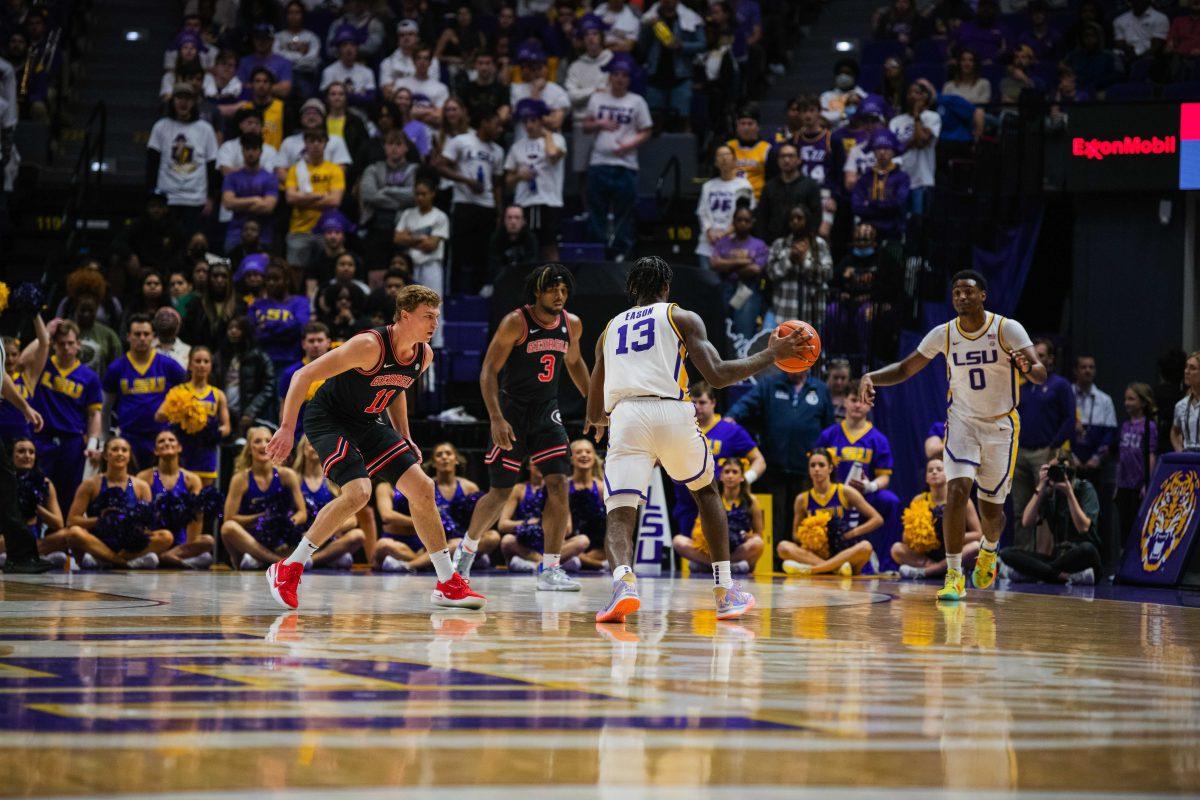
x,y
983,352
640,382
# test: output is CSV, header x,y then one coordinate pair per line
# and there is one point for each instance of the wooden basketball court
x,y
181,685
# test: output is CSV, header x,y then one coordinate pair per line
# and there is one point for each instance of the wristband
x,y
93,443
751,476
870,487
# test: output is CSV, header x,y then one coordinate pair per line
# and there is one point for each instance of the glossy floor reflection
x,y
193,685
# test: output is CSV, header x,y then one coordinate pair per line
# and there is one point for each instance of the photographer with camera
x,y
1067,544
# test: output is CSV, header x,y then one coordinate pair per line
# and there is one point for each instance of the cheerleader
x,y
455,497
25,368
192,549
846,556
317,491
745,524
932,563
39,504
202,451
95,536
586,500
521,528
255,532
458,496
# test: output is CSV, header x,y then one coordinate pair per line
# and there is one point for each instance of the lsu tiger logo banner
x,y
1158,547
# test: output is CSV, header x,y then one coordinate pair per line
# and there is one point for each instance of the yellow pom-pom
x,y
813,533
920,535
194,418
176,403
3,296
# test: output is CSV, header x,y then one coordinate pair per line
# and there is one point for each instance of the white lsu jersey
x,y
983,381
643,356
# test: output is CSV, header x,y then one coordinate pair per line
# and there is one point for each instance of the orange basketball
x,y
812,348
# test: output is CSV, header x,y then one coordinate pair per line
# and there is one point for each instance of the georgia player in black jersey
x,y
363,378
533,344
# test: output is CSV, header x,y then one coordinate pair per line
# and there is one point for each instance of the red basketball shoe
x,y
456,593
284,580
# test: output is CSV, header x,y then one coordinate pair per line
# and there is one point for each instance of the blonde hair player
x,y
641,382
364,378
983,352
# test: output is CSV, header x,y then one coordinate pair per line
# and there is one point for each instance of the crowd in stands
x,y
312,159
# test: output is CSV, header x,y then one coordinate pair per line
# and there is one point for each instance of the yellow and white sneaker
x,y
796,568
984,574
955,587
846,570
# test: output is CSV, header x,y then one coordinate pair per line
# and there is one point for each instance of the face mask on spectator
x,y
864,252
844,81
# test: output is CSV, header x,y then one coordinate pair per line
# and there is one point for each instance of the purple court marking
x,y
16,713
180,636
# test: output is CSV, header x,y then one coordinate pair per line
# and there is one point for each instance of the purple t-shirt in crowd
x,y
1131,464
245,183
728,246
280,67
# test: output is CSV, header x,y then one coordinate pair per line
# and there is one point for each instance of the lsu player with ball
x,y
983,352
640,384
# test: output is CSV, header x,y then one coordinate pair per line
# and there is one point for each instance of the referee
x,y
18,540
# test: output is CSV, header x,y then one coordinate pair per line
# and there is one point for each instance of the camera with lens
x,y
1060,470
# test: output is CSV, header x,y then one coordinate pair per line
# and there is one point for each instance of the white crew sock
x,y
469,545
954,561
991,547
441,563
623,570
303,552
549,561
722,574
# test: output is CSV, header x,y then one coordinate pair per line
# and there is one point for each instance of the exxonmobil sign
x,y
1099,149
1119,147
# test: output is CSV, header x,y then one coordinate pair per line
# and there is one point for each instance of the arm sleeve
x,y
111,381
1013,334
175,373
933,343
825,439
262,397
92,396
441,228
642,119
740,442
882,463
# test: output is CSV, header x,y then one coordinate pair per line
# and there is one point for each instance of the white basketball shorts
x,y
984,450
647,430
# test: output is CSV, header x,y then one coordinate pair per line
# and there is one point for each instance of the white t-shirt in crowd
x,y
435,90
398,65
547,185
859,160
229,156
554,96
186,148
228,93
358,79
920,163
718,201
623,26
633,116
435,223
1138,32
303,49
291,150
478,160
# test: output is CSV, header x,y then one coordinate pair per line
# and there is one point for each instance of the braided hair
x,y
545,276
647,278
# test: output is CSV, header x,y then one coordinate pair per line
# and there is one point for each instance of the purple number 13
x,y
643,331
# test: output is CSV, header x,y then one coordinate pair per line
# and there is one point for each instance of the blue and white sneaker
x,y
624,602
735,603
